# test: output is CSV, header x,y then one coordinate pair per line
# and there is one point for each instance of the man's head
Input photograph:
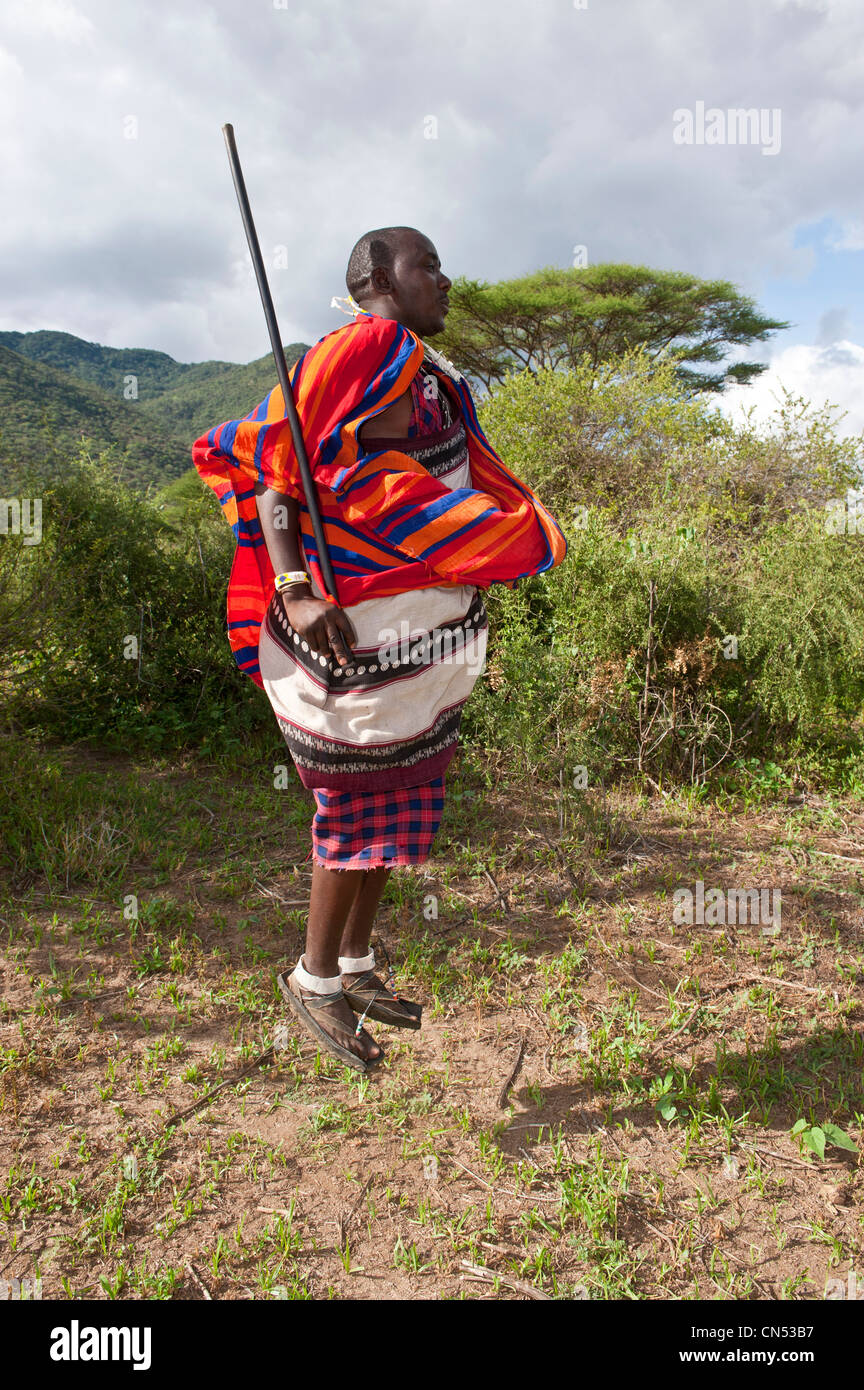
x,y
395,272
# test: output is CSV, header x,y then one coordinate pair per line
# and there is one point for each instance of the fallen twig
x,y
789,984
266,1056
503,901
489,1276
286,902
345,1218
198,1281
787,1158
505,1191
513,1073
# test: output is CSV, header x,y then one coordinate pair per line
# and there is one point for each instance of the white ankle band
x,y
318,984
354,965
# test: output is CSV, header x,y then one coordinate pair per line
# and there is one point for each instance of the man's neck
x,y
383,311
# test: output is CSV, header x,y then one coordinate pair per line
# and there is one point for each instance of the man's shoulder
x,y
355,352
365,332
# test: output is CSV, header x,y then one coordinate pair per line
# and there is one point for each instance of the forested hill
x,y
56,388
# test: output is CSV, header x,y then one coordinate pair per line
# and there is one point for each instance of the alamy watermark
x,y
20,1289
440,645
77,1343
835,1288
737,125
21,516
726,907
844,516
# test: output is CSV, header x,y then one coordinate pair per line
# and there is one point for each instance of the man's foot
x,y
367,993
329,1019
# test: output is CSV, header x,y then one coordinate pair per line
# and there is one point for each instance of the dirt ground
x,y
600,1103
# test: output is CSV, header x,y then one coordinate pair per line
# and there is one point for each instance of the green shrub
x,y
114,626
705,614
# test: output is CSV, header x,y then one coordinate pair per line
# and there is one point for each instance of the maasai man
x,y
420,515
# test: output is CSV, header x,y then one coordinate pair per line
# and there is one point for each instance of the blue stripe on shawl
x,y
463,530
416,521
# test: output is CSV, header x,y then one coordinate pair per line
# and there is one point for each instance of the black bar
x,y
281,365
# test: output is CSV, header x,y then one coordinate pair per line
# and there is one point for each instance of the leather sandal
x,y
305,1009
370,997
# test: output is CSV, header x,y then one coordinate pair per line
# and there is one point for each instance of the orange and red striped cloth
x,y
389,525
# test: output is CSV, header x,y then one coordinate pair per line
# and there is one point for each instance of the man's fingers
x,y
338,645
343,622
339,634
332,634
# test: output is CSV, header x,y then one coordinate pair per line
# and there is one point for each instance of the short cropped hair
x,y
374,249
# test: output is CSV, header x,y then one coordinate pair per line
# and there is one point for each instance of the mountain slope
x,y
228,390
56,389
45,413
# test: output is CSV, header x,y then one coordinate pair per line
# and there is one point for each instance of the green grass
x,y
636,1032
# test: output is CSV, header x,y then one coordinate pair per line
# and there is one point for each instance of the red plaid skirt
x,y
372,830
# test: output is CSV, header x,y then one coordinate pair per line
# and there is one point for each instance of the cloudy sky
x,y
511,131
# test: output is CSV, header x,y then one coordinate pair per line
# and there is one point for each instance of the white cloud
x,y
849,238
833,374
555,129
47,17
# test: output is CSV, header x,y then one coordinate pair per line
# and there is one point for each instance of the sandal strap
x,y
316,1002
320,1001
376,991
364,975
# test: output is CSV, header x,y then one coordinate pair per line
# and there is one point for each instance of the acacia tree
x,y
556,316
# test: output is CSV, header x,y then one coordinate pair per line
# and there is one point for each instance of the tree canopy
x,y
556,315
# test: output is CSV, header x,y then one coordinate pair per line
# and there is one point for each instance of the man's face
x,y
418,286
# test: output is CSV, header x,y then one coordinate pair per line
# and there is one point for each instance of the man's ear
x,y
380,280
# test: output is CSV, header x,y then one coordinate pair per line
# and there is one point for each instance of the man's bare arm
x,y
391,423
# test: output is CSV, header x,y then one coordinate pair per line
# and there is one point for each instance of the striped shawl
x,y
389,525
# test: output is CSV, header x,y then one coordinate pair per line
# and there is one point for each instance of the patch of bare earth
x,y
514,1147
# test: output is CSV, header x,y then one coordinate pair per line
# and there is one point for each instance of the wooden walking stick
x,y
281,365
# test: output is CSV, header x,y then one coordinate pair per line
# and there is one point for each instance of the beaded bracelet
x,y
282,581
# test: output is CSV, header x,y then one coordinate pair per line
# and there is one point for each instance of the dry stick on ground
x,y
655,785
266,1056
529,1008
513,1073
503,901
789,984
286,902
703,1004
345,1218
787,1158
505,1191
617,962
25,1245
501,897
198,1281
490,1276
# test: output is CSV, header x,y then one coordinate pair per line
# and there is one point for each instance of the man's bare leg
x,y
358,924
333,896
354,950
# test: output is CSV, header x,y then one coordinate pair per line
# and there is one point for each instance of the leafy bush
x,y
626,435
645,653
114,626
705,615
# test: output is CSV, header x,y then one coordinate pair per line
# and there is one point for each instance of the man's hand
x,y
326,628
